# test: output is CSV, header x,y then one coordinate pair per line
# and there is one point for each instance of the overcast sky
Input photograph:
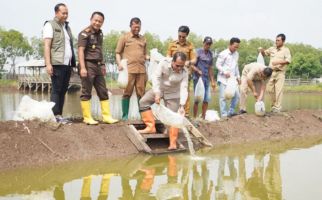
x,y
300,20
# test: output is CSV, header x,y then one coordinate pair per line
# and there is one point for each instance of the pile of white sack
x,y
30,109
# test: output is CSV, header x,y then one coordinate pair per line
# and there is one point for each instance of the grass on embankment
x,y
298,88
8,83
304,88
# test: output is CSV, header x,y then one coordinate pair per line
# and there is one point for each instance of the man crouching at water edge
x,y
93,70
255,76
170,83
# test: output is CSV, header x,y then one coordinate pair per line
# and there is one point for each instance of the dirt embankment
x,y
37,144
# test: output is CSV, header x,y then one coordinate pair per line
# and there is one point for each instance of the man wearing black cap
x,y
204,69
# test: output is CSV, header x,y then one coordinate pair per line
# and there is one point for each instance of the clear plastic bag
x,y
168,117
30,109
230,88
155,59
260,59
212,116
122,79
199,91
134,113
156,56
116,106
260,108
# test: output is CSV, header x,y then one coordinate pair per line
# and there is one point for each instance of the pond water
x,y
284,170
9,102
276,170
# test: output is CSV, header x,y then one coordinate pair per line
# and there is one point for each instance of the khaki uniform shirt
x,y
186,48
252,72
169,84
134,49
93,43
276,54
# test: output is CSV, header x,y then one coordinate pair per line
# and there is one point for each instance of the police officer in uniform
x,y
93,69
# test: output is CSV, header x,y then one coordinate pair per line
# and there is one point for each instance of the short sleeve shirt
x,y
204,63
134,49
252,71
93,43
278,54
186,48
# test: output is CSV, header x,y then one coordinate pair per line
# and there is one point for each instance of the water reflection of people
x,y
126,189
144,185
59,193
226,185
254,187
104,189
264,183
273,179
178,179
173,189
201,186
241,177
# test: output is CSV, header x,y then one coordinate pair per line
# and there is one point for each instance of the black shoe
x,y
242,112
60,119
232,114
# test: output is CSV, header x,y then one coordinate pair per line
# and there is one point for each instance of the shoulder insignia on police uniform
x,y
87,30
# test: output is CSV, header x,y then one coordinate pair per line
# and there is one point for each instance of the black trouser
x,y
60,82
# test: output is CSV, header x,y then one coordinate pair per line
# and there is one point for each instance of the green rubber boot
x,y
125,108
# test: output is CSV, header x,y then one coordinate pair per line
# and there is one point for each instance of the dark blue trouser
x,y
60,82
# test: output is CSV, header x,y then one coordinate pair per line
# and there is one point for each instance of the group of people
x,y
171,80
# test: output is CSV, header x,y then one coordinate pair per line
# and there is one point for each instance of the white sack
x,y
212,116
30,109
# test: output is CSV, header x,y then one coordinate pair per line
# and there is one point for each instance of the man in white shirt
x,y
59,57
227,65
170,82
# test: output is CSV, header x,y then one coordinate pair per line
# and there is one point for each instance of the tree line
x,y
306,60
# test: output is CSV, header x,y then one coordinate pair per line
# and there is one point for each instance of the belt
x,y
95,61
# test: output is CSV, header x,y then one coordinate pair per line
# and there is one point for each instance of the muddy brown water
x,y
281,170
228,172
9,102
